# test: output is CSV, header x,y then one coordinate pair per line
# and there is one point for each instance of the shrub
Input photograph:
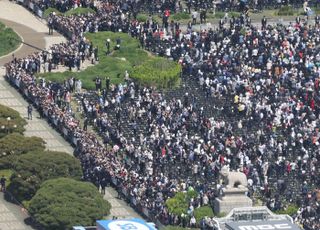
x,y
31,169
290,210
79,11
142,17
16,123
180,16
179,203
200,213
158,72
285,11
50,10
16,143
62,203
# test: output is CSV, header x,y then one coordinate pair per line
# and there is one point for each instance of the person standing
x,y
194,17
264,23
3,183
85,124
107,83
29,108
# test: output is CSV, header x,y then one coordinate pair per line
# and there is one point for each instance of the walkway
x,y
9,96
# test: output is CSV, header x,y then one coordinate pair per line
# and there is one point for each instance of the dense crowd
x,y
267,125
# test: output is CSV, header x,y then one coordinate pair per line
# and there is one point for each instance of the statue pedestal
x,y
226,203
234,192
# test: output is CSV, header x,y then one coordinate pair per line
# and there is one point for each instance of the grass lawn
x,y
9,40
7,174
113,65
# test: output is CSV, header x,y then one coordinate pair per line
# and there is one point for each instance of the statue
x,y
233,193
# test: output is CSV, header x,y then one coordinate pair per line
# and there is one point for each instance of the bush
x,y
200,213
31,169
50,10
62,203
79,11
16,143
158,72
290,210
286,11
179,203
180,16
15,120
142,17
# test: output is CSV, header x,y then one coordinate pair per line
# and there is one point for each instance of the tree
x,y
62,203
179,203
31,169
15,123
15,143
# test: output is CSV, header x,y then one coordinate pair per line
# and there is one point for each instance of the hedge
x,y
31,169
62,203
16,123
16,143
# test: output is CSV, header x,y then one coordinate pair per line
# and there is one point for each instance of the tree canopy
x,y
15,143
15,124
62,203
33,168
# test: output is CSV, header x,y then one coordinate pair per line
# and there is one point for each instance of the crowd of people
x,y
254,107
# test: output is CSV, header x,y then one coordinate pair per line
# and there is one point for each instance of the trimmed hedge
x,y
16,143
62,203
15,120
158,72
33,168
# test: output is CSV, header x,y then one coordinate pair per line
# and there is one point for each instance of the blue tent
x,y
130,224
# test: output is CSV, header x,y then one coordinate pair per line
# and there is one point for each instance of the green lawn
x,y
9,40
113,65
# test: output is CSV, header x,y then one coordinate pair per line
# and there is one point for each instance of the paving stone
x,y
119,212
11,102
6,94
35,126
114,203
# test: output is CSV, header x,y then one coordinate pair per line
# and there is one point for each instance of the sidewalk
x,y
11,216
